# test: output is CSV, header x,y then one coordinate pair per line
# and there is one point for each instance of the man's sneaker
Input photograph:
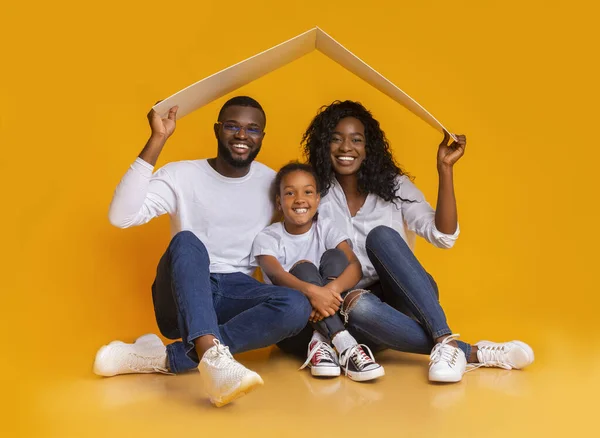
x,y
321,360
507,355
447,363
360,366
146,355
225,379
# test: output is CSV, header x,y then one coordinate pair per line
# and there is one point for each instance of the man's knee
x,y
187,240
184,238
296,311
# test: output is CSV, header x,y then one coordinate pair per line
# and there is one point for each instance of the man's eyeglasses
x,y
234,128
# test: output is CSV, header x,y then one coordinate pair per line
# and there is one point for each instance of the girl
x,y
314,257
375,202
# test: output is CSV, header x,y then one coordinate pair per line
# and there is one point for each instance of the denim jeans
x,y
403,311
333,262
404,285
241,312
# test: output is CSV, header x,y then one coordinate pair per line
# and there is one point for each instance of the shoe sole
x,y
445,379
247,385
325,371
366,375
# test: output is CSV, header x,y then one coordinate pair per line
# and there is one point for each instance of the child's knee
x,y
333,263
306,271
334,255
298,263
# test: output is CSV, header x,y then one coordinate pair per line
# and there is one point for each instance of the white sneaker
x,y
225,379
447,363
507,355
321,359
146,355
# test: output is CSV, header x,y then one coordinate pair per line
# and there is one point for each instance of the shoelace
x,y
444,351
493,356
221,352
139,363
320,351
361,359
221,357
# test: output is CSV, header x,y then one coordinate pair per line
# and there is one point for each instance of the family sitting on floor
x,y
338,285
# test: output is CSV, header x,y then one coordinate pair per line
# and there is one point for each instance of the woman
x,y
373,200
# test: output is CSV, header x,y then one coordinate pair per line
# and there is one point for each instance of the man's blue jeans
x,y
237,309
402,311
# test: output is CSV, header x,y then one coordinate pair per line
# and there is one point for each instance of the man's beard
x,y
226,154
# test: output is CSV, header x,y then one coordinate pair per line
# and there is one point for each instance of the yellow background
x,y
519,78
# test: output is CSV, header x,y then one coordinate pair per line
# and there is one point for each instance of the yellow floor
x,y
518,77
557,396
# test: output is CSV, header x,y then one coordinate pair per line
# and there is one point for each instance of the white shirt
x,y
407,218
225,213
289,249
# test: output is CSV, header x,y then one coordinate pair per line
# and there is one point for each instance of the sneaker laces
x,y
141,363
361,359
320,351
491,356
220,355
444,351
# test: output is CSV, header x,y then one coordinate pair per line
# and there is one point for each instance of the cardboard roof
x,y
221,83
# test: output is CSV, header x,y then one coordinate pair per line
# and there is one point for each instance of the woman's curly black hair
x,y
378,172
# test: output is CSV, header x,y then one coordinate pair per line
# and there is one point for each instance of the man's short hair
x,y
242,101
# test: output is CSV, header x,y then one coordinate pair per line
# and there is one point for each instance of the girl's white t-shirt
x,y
289,249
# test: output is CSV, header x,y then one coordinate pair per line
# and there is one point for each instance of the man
x,y
203,292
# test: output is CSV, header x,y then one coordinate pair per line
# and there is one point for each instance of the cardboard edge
x,y
162,108
430,120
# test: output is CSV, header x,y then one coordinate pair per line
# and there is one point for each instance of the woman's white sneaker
x,y
507,355
224,378
146,355
447,363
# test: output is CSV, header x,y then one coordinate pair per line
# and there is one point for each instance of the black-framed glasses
x,y
234,128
